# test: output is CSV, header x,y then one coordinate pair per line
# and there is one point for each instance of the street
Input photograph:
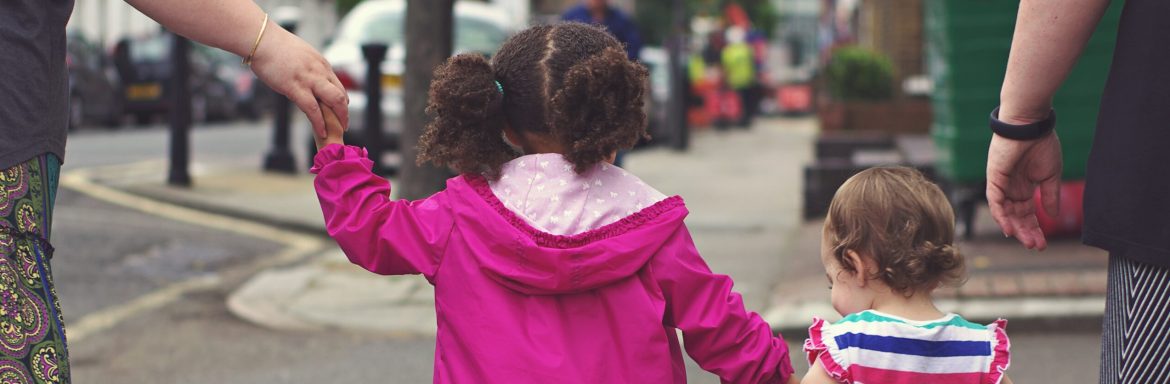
x,y
109,257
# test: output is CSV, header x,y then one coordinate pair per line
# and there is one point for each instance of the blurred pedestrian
x,y
549,264
887,244
739,68
1127,207
33,122
618,23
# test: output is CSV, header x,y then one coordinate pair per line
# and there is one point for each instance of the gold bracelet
x,y
248,60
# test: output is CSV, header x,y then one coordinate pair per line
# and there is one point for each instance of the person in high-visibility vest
x,y
739,70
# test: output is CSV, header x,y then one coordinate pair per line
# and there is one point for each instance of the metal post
x,y
374,53
180,113
280,157
676,118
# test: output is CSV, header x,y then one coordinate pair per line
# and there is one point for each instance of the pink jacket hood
x,y
533,262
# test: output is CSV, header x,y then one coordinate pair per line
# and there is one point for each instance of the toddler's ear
x,y
865,267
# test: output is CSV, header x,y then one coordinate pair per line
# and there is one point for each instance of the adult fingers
x,y
335,98
996,200
1030,234
343,117
308,104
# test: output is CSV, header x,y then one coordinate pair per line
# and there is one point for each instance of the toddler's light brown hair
x,y
902,221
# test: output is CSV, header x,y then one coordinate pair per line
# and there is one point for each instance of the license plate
x,y
391,81
143,91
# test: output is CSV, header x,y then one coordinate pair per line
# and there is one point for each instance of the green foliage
x,y
763,15
343,6
653,17
859,74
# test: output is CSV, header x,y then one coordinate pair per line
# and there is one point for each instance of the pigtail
x,y
466,107
598,108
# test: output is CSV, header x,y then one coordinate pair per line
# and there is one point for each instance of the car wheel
x,y
76,111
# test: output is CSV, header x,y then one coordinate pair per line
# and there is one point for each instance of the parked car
x,y
479,27
93,85
145,66
655,60
253,98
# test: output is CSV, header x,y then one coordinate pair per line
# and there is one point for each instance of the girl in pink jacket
x,y
549,264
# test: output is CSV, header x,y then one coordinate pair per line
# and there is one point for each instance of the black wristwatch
x,y
1031,131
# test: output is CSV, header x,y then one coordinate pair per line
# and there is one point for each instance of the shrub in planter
x,y
855,73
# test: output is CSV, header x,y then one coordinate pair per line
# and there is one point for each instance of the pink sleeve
x,y
383,236
722,336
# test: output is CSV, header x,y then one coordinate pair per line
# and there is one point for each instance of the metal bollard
x,y
676,109
180,144
280,157
372,122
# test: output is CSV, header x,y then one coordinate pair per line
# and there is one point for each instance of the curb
x,y
796,317
253,216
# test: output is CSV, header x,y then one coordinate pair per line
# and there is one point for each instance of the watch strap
x,y
1030,131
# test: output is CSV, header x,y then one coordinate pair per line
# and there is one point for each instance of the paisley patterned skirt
x,y
32,337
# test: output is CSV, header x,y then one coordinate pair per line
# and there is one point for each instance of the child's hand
x,y
334,131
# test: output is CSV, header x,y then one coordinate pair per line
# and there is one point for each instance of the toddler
x,y
887,243
550,265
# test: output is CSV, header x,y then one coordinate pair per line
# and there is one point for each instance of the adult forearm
x,y
1049,37
231,25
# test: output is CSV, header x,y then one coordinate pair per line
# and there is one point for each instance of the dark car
x,y
145,66
93,85
253,98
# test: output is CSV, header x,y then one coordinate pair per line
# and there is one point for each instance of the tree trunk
x,y
429,40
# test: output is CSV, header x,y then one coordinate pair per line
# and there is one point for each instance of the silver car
x,y
479,27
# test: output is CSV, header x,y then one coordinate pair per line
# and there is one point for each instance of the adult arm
x,y
286,63
1049,37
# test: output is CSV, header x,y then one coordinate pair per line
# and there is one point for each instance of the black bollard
x,y
180,113
372,121
280,157
676,105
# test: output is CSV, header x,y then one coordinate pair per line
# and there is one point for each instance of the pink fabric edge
x,y
1002,352
334,152
480,185
815,349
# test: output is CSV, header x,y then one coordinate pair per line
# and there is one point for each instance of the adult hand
x,y
1014,169
291,67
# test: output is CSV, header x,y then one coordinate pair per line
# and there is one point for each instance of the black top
x,y
34,84
1127,193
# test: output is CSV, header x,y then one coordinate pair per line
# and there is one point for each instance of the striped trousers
x,y
1135,345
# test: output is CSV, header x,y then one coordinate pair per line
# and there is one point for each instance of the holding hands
x,y
334,129
293,68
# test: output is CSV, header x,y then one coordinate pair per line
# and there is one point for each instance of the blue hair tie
x,y
499,87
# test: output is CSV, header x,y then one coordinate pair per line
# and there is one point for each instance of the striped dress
x,y
873,347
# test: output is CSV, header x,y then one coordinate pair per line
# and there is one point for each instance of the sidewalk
x,y
743,191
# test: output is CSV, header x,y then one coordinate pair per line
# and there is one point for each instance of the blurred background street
x,y
759,110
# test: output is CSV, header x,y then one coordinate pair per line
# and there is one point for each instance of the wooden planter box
x,y
894,116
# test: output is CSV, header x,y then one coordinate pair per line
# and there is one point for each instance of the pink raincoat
x,y
519,305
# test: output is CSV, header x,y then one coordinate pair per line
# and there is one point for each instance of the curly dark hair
x,y
901,220
569,81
